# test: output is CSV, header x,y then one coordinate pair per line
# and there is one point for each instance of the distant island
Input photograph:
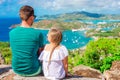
x,y
82,15
93,24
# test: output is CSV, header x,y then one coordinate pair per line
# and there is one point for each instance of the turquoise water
x,y
107,28
71,40
98,21
94,21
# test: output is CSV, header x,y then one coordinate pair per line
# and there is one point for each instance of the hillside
x,y
82,15
77,20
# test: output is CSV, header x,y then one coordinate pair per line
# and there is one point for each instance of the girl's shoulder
x,y
46,46
63,50
62,47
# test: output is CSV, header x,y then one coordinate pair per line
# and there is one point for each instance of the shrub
x,y
100,54
6,52
74,59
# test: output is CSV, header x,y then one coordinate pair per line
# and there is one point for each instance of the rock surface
x,y
115,65
86,71
4,68
114,72
43,78
9,75
112,75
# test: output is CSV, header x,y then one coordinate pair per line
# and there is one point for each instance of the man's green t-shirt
x,y
25,43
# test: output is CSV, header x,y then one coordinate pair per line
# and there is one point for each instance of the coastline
x,y
95,38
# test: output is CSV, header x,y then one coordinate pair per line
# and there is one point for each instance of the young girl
x,y
54,57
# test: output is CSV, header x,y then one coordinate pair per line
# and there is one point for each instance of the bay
x,y
71,39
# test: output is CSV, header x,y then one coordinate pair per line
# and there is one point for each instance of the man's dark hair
x,y
25,12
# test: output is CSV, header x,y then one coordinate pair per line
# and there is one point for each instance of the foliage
x,y
100,54
74,59
6,52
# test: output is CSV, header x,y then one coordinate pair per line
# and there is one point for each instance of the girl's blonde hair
x,y
56,37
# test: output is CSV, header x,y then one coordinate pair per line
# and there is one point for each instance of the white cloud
x,y
73,4
1,1
23,2
81,4
34,3
64,4
56,6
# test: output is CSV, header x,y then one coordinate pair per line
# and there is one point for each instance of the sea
x,y
71,39
5,23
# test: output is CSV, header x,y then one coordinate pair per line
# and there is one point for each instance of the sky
x,y
10,8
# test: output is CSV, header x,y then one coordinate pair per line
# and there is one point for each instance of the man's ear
x,y
32,17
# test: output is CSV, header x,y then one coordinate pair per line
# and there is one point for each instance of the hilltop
x,y
80,15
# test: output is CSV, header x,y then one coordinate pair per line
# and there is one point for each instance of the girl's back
x,y
55,68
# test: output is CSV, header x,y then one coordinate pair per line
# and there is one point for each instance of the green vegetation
x,y
6,52
98,54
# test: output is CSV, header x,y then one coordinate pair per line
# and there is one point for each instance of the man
x,y
25,42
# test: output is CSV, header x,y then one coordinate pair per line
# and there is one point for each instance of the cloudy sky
x,y
10,8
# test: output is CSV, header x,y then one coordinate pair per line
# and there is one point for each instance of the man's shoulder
x,y
39,32
14,29
36,30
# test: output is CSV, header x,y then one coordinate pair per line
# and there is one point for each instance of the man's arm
x,y
40,50
41,44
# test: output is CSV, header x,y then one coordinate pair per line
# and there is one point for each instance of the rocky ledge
x,y
8,74
81,72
